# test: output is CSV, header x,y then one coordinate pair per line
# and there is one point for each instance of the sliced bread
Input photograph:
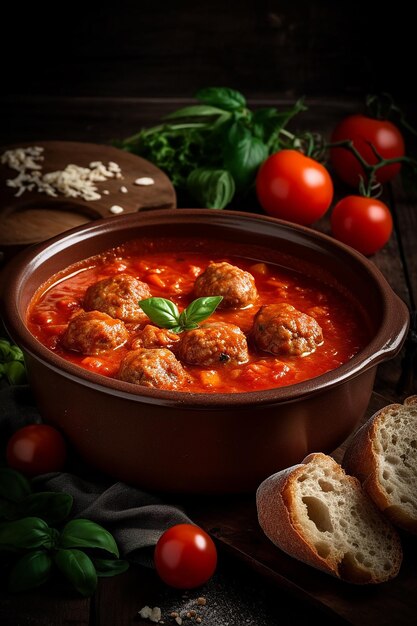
x,y
383,456
321,516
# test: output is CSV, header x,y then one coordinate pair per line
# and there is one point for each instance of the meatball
x,y
93,332
154,337
282,329
222,279
155,367
118,296
212,343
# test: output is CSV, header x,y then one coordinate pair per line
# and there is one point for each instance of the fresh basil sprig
x,y
165,313
40,549
34,549
212,188
17,499
12,366
214,148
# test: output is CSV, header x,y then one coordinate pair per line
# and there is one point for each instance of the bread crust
x,y
276,504
361,459
273,499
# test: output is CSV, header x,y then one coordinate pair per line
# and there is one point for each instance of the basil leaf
x,y
4,349
267,123
162,312
211,188
243,154
79,570
200,309
197,110
83,533
15,372
31,570
13,485
26,533
15,354
222,97
110,567
50,506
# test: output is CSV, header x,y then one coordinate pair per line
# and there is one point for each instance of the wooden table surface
x,y
255,584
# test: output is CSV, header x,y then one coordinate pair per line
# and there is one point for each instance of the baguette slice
x,y
321,516
383,456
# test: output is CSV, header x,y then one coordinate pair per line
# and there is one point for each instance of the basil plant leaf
x,y
196,110
110,567
50,506
15,372
162,312
243,154
83,533
222,97
200,309
211,188
26,533
13,485
78,569
31,570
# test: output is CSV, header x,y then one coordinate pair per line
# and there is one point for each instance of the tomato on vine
x,y
36,449
185,556
294,187
362,222
371,137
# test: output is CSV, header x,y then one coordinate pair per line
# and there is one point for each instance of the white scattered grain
x,y
123,189
153,614
144,181
73,181
116,209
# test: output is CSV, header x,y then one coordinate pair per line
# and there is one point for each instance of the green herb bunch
x,y
12,367
31,549
214,149
165,314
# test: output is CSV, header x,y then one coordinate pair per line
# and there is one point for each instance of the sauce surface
x,y
171,274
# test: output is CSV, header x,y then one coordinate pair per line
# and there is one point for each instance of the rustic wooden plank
x,y
52,605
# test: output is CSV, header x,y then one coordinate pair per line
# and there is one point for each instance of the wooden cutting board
x,y
232,521
34,216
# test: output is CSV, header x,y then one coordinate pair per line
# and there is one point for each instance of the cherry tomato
x,y
363,131
185,556
294,187
363,223
36,449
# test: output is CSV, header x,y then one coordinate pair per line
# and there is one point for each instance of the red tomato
x,y
363,223
185,556
294,187
36,449
363,131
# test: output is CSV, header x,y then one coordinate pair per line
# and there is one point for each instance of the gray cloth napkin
x,y
135,518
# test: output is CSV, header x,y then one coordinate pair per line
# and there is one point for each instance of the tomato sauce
x,y
171,274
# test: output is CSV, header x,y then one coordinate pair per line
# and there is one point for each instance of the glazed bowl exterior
x,y
182,442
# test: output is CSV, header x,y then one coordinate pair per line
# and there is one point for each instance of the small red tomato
x,y
364,131
294,187
36,449
363,223
185,556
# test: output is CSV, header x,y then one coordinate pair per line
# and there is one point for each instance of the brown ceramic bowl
x,y
203,443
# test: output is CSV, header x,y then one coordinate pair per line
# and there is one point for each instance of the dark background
x,y
264,48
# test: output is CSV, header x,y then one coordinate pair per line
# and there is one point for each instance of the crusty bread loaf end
x,y
383,456
319,515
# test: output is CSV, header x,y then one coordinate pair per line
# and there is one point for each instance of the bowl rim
x,y
384,345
